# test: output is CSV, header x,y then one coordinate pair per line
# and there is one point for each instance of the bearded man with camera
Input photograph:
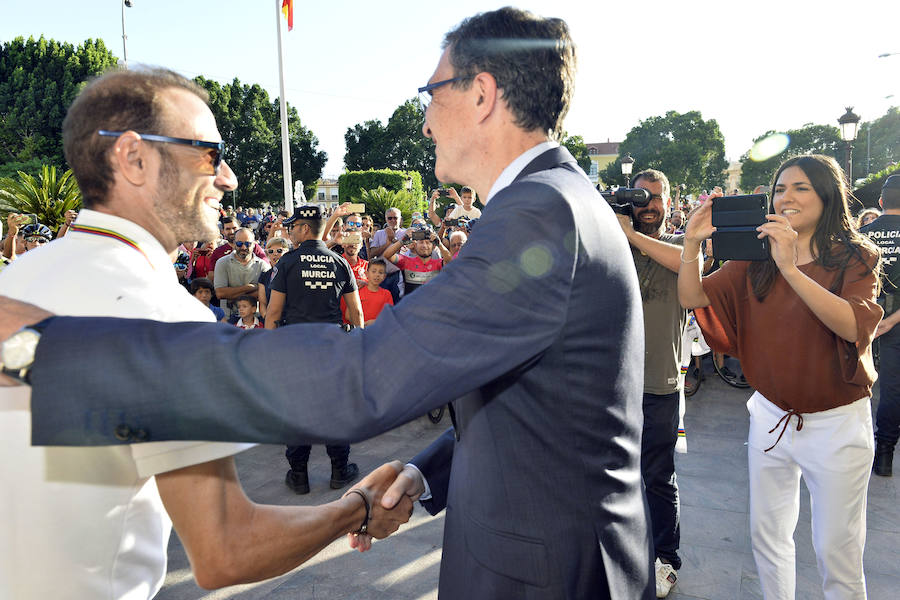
x,y
657,256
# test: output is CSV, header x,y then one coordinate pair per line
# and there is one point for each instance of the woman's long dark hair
x,y
834,243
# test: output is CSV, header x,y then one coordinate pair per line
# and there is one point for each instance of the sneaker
x,y
666,576
298,481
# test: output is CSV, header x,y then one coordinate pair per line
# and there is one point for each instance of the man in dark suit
x,y
540,476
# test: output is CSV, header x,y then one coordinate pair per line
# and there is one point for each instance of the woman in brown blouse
x,y
801,324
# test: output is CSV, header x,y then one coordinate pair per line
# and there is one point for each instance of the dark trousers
x,y
658,471
887,417
392,284
298,456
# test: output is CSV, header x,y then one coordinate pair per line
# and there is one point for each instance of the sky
x,y
753,67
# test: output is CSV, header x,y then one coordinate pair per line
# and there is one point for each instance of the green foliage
x,y
398,145
575,144
685,147
869,190
11,169
250,124
809,139
47,196
38,80
378,200
882,149
352,185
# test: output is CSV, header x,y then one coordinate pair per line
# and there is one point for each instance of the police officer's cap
x,y
891,183
307,211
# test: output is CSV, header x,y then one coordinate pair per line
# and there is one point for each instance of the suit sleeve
x,y
95,378
434,463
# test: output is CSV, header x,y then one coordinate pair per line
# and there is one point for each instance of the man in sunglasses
x,y
93,524
237,274
229,226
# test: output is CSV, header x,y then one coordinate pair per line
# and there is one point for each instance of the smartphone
x,y
357,207
736,219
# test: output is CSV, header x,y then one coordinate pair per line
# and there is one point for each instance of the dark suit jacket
x,y
536,330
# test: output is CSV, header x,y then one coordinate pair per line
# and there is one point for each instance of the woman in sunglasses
x,y
276,247
801,322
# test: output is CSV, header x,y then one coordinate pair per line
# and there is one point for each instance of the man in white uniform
x,y
92,522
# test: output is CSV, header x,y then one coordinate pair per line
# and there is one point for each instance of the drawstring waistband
x,y
786,419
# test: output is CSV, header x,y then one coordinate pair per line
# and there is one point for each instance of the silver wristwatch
x,y
17,353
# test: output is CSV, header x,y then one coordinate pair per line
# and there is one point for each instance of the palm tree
x,y
46,196
380,199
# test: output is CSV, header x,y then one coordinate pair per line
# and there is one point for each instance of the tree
x,y
883,149
47,196
38,80
685,147
575,144
809,139
399,145
250,124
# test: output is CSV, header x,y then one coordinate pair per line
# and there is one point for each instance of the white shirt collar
x,y
513,169
132,234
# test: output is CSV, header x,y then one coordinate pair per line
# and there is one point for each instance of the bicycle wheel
x,y
730,371
435,415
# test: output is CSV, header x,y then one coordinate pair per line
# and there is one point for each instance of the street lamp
x,y
627,166
849,123
129,4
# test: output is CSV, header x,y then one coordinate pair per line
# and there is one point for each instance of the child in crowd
x,y
247,317
202,289
372,297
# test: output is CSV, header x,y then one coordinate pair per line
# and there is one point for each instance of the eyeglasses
x,y
274,250
36,240
215,150
354,223
392,218
243,244
425,91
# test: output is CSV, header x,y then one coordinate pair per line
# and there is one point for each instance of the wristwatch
x,y
17,353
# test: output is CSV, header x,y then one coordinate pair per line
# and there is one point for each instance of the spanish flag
x,y
287,8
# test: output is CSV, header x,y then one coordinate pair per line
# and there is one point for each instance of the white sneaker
x,y
666,576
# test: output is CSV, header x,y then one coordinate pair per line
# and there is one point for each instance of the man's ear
x,y
130,156
486,93
881,202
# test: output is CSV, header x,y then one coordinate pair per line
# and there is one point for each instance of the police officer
x,y
885,232
307,287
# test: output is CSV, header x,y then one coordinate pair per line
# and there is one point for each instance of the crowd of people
x,y
532,517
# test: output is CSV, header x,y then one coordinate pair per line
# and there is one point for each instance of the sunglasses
x,y
243,244
36,240
392,218
215,150
275,251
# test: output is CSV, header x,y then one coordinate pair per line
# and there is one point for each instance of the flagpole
x,y
285,148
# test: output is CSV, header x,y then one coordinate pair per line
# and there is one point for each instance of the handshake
x,y
388,493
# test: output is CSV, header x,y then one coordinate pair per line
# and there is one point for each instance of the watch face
x,y
18,351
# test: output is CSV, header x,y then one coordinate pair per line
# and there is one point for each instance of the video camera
x,y
421,232
623,200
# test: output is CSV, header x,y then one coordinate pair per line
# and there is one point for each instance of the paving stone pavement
x,y
715,545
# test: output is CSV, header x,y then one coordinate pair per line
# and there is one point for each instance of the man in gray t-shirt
x,y
657,256
238,273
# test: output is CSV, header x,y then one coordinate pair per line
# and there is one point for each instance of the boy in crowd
x,y
202,289
373,297
247,317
